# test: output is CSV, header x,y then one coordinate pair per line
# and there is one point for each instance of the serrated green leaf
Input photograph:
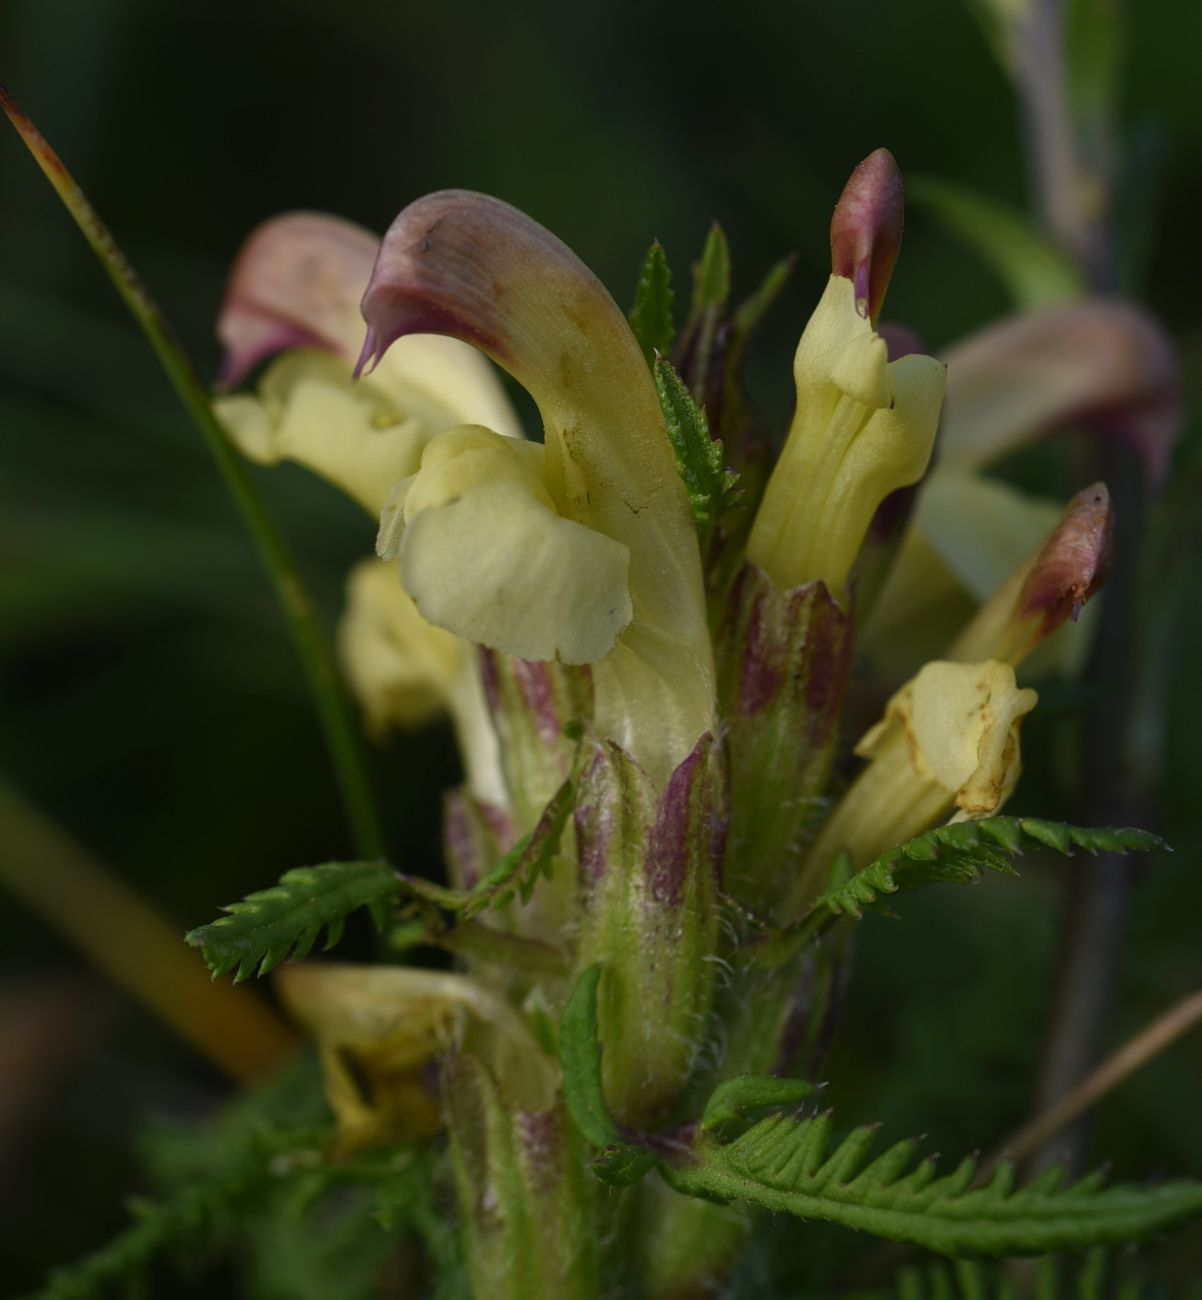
x,y
733,1098
651,316
515,876
285,921
711,276
957,853
786,1165
700,459
1033,270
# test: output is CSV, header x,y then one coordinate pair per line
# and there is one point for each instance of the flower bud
x,y
526,1197
864,426
1048,588
649,868
866,230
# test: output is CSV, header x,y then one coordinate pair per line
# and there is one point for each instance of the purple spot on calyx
x,y
678,840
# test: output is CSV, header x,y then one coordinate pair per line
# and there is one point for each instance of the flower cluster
x,y
649,725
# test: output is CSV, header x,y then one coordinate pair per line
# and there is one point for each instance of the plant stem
x,y
135,946
1132,1056
333,710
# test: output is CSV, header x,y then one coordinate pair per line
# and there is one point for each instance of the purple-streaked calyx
x,y
649,867
784,665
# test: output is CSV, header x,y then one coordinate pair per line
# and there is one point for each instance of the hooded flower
x,y
600,563
295,288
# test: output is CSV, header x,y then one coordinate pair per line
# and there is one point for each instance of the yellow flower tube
x,y
863,426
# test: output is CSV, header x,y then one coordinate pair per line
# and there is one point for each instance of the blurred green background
x,y
150,701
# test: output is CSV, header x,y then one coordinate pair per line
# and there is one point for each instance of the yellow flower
x,y
296,286
584,549
863,426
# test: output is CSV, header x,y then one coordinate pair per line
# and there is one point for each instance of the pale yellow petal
x,y
862,429
484,554
383,1022
312,412
400,668
960,724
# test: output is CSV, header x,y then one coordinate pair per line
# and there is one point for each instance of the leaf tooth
x,y
917,1181
847,1157
922,848
759,1141
334,930
1003,831
302,945
887,1167
963,836
1054,835
1001,1183
954,1184
1047,1184
272,958
784,1164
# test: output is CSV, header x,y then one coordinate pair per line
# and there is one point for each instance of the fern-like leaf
x,y
285,921
957,853
785,1164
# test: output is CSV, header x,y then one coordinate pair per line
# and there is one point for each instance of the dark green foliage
x,y
785,1164
285,920
1096,1275
699,458
957,853
651,315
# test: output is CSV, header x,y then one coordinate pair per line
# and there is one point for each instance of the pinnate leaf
x,y
285,921
786,1164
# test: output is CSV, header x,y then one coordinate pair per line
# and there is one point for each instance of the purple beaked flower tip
x,y
866,229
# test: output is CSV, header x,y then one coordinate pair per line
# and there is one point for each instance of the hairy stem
x,y
333,710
